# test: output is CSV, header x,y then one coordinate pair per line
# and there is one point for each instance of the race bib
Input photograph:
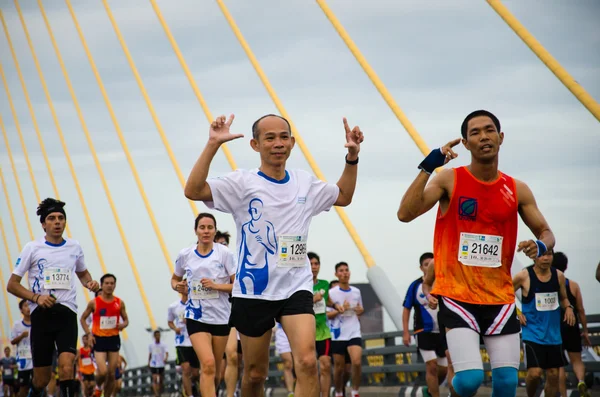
x,y
480,250
197,291
546,301
57,278
319,307
348,312
86,361
291,251
24,352
108,322
8,372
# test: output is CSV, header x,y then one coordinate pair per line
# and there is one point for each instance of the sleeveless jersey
x,y
541,308
474,241
573,302
86,363
106,317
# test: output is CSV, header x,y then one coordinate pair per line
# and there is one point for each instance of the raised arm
x,y
196,187
420,196
347,182
535,221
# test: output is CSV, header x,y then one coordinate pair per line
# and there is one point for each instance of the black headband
x,y
49,210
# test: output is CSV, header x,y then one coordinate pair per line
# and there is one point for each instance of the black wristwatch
x,y
351,162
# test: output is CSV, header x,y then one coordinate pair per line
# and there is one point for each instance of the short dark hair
x,y
338,265
48,206
107,275
312,255
332,282
21,303
426,255
220,234
204,215
560,261
157,331
256,131
478,113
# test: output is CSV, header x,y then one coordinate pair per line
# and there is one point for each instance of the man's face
x,y
54,224
85,340
425,264
483,139
157,336
274,142
7,351
25,311
108,285
315,266
343,273
545,261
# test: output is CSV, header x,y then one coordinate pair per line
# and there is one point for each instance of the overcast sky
x,y
440,60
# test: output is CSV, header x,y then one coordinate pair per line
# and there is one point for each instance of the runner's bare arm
x,y
89,309
125,322
598,272
518,279
86,280
564,299
429,279
347,182
534,220
579,305
196,187
422,196
14,287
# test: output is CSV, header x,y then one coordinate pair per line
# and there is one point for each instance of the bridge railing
x,y
386,362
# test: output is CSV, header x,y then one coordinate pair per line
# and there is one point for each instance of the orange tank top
x,y
86,364
106,317
474,241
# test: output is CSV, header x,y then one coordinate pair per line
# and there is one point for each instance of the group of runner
x,y
269,280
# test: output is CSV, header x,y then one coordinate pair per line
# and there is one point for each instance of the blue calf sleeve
x,y
466,383
504,382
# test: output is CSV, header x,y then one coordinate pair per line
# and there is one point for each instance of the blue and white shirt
x,y
158,354
52,265
272,219
176,314
205,305
425,318
347,322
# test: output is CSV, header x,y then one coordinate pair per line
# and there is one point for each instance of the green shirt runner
x,y
320,309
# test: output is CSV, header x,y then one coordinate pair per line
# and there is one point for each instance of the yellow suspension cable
x,y
99,169
387,97
309,158
10,262
191,80
113,117
561,73
10,210
155,118
35,126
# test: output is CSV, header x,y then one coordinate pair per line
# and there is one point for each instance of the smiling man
x,y
273,208
474,244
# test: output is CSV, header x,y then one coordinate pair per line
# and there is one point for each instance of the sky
x,y
440,60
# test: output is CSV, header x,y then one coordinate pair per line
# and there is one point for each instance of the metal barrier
x,y
386,362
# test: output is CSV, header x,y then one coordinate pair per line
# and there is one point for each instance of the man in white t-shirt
x,y
157,357
20,335
346,345
272,208
52,263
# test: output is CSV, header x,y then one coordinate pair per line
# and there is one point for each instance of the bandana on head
x,y
49,210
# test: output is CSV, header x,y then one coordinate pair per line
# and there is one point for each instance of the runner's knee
x,y
467,382
505,381
306,363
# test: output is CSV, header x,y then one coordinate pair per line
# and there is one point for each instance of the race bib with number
x,y
349,312
197,291
546,301
86,361
292,251
319,307
8,372
24,352
108,322
481,250
57,278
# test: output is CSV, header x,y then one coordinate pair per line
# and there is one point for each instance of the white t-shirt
x,y
24,360
52,269
176,313
158,351
349,325
206,305
272,220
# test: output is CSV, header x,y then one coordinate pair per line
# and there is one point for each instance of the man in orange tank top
x,y
109,318
474,244
86,366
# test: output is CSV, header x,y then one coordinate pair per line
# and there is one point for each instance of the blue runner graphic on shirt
x,y
258,235
36,287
